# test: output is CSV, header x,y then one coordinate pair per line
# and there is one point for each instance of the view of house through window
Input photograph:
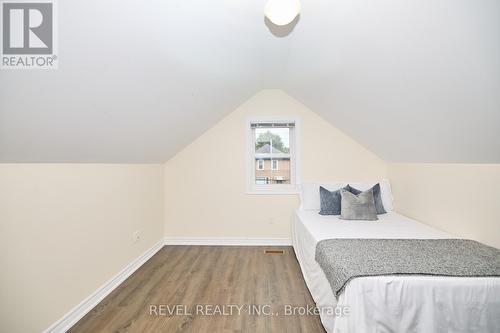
x,y
272,154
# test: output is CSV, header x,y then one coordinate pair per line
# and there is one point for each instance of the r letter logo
x,y
28,34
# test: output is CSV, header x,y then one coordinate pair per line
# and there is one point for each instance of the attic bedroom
x,y
250,166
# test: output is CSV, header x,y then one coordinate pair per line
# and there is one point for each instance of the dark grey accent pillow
x,y
377,197
329,201
358,207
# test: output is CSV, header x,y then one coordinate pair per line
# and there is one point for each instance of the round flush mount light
x,y
282,12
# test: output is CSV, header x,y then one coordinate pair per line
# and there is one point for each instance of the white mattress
x,y
393,303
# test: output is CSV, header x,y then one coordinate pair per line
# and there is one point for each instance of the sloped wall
x,y
205,182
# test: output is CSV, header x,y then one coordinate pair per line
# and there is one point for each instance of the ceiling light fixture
x,y
282,12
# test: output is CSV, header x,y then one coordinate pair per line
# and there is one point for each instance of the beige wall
x,y
65,229
197,204
462,199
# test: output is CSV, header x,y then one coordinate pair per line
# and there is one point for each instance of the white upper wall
x,y
417,80
414,81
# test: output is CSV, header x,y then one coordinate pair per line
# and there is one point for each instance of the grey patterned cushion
x,y
358,207
329,201
377,197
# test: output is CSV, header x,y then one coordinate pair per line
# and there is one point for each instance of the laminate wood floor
x,y
204,284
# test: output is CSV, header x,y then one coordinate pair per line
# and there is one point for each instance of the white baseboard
x,y
238,241
77,313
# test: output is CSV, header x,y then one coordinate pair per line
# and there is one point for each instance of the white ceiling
x,y
415,80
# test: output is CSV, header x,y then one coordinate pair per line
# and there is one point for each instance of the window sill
x,y
272,191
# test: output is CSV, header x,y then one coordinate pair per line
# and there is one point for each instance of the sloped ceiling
x,y
414,81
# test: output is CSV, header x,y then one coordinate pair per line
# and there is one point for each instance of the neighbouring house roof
x,y
267,152
267,149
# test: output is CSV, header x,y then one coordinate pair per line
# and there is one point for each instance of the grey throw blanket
x,y
345,259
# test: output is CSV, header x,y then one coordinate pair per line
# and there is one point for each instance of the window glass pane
x,y
272,155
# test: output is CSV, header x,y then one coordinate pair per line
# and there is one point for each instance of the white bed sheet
x,y
393,303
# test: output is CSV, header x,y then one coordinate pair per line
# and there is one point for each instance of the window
x,y
260,164
272,155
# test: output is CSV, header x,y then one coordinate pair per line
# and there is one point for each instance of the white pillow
x,y
309,194
385,192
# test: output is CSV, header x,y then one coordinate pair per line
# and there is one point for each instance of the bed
x,y
400,303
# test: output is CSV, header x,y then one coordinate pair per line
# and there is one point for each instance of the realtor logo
x,y
28,34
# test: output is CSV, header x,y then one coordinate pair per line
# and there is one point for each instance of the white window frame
x,y
277,165
251,166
